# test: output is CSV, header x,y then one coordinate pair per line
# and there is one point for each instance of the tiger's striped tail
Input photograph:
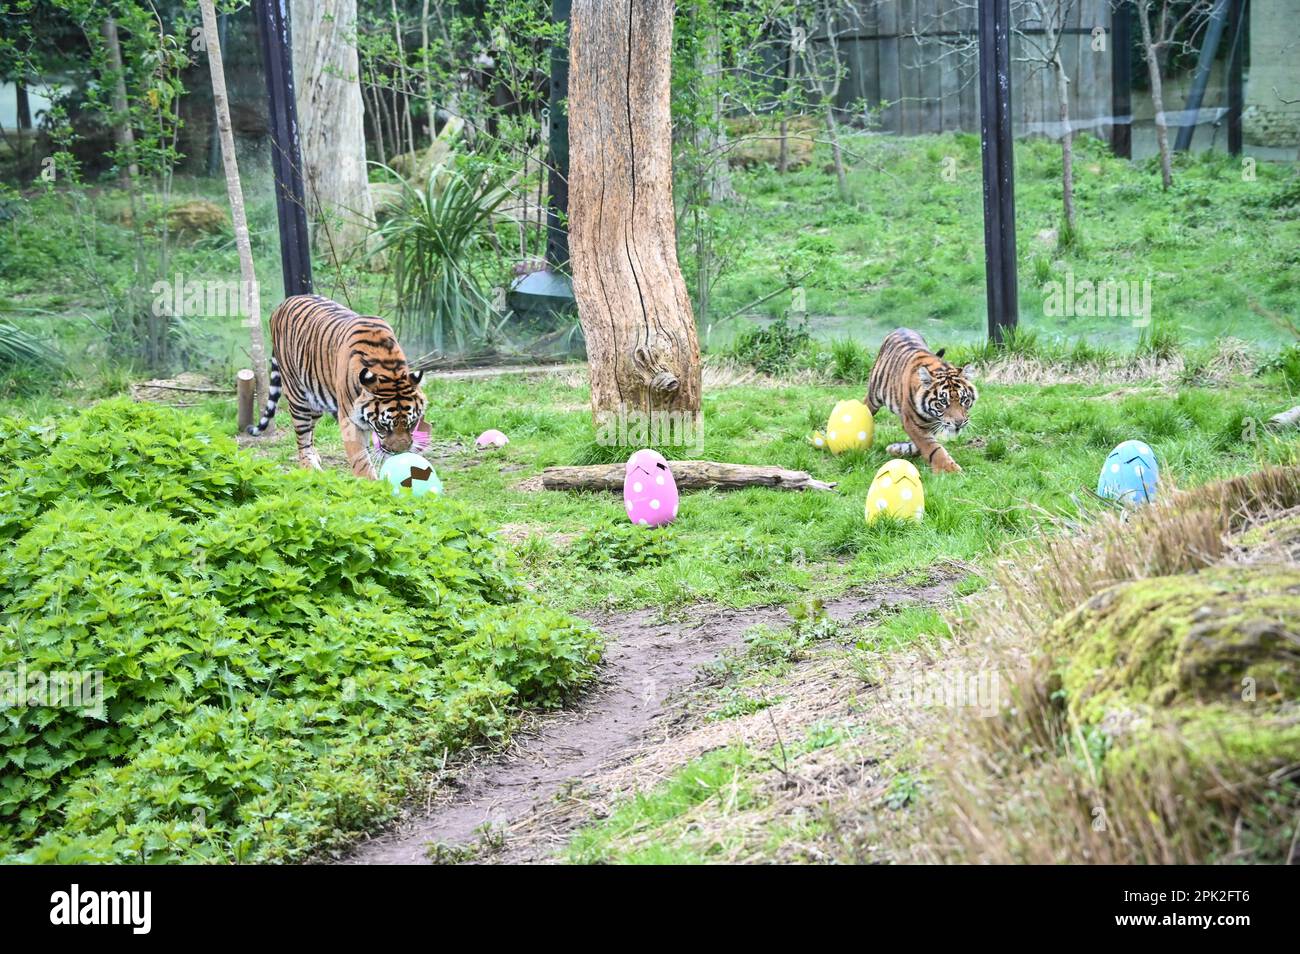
x,y
272,399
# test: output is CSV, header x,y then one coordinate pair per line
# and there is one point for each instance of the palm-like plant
x,y
432,244
21,351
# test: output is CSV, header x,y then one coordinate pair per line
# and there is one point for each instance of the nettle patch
x,y
278,656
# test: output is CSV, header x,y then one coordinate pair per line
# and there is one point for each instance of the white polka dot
x,y
659,479
906,493
644,522
636,487
831,435
848,418
881,505
654,505
1144,449
629,507
886,481
818,441
862,435
1114,468
674,510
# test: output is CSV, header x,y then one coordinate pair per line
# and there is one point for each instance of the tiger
x,y
327,359
931,397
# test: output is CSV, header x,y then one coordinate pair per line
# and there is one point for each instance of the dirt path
x,y
648,663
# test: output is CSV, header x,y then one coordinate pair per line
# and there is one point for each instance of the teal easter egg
x,y
410,474
1130,474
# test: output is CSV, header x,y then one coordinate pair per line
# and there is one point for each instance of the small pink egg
x,y
492,438
649,491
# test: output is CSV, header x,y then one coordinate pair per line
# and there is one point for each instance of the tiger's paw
x,y
946,465
902,449
309,460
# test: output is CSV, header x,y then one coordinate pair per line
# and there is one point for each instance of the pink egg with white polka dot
x,y
649,491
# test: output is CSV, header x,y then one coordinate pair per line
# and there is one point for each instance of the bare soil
x,y
502,807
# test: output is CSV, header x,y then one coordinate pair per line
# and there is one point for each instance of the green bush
x,y
281,654
774,348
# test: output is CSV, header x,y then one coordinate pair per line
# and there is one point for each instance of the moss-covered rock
x,y
1223,635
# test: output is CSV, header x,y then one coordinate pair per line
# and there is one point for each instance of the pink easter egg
x,y
420,438
649,491
492,438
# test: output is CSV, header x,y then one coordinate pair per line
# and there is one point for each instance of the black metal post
x,y
999,161
557,208
1201,78
1236,95
1121,80
286,154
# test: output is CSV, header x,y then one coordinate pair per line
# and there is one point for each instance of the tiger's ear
x,y
923,373
415,376
368,377
968,372
939,353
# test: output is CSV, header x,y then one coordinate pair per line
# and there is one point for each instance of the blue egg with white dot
x,y
1130,474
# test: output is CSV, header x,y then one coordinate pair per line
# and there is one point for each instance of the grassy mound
x,y
1152,711
280,655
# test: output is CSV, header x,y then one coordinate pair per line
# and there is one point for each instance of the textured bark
x,y
688,474
632,302
331,121
235,191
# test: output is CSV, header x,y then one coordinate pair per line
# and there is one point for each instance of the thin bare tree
x,y
235,191
1166,25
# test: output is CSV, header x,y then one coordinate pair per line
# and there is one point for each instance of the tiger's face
x,y
391,404
945,398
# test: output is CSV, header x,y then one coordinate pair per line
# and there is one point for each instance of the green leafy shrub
x,y
281,655
774,348
623,546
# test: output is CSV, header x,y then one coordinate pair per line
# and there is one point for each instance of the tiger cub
x,y
932,397
327,359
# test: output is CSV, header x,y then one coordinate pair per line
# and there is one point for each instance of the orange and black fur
x,y
930,396
327,359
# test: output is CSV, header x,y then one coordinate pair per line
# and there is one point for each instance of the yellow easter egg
x,y
850,427
897,491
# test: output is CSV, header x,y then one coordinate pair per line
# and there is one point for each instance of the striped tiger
x,y
930,396
327,359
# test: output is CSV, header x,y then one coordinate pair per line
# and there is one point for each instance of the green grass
x,y
1037,456
908,249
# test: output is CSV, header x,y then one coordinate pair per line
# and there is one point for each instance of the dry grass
x,y
1163,785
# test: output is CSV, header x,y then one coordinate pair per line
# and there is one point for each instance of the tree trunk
x,y
632,302
122,133
221,103
783,155
331,118
1152,53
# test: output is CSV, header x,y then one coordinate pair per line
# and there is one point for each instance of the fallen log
x,y
1285,419
689,475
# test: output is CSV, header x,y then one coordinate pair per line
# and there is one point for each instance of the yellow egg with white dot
x,y
897,491
850,427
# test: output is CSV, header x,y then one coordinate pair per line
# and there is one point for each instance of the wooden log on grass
x,y
1285,419
689,475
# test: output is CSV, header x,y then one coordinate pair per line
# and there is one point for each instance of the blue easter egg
x,y
1130,474
410,474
